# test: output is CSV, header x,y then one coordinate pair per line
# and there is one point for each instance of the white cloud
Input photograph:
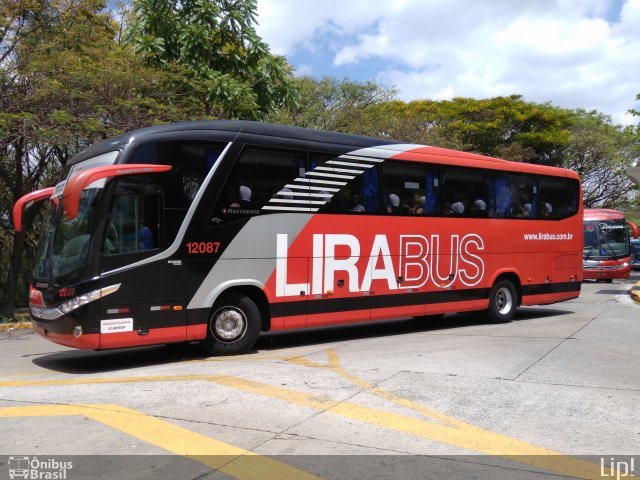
x,y
290,25
563,51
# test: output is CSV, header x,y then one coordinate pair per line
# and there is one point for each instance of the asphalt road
x,y
554,394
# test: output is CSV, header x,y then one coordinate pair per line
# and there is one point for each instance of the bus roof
x,y
595,214
233,130
269,134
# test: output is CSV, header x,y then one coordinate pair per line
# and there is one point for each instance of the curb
x,y
635,292
4,327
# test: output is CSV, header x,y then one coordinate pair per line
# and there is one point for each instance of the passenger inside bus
x,y
393,204
145,238
136,239
546,210
244,202
356,203
456,209
416,205
521,211
479,209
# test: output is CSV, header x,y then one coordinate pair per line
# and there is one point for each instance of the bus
x,y
216,231
606,254
634,245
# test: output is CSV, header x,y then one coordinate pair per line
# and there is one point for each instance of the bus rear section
x,y
218,231
606,253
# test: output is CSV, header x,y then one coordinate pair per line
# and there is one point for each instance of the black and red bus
x,y
218,230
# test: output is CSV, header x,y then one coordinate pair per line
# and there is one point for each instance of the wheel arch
x,y
513,278
252,289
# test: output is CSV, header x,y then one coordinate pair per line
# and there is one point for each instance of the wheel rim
x,y
228,324
504,301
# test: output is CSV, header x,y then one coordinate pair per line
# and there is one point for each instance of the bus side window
x,y
133,223
516,195
191,161
558,196
410,189
358,196
259,179
467,191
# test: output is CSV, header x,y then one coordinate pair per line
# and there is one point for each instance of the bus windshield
x,y
605,240
64,245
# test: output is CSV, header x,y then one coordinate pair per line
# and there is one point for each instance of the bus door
x,y
149,303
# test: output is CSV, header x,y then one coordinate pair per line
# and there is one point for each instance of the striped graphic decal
x,y
318,186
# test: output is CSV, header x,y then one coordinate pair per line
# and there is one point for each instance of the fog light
x,y
77,331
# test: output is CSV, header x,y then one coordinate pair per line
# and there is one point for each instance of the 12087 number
x,y
202,247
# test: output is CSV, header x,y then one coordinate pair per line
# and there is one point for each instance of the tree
x,y
601,153
331,104
64,83
505,127
224,65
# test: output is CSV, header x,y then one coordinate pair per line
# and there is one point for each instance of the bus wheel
x,y
503,301
234,325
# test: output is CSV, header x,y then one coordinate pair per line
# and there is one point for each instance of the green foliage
x,y
64,83
505,127
329,104
221,60
601,152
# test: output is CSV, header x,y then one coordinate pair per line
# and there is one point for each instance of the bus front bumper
x,y
606,271
65,336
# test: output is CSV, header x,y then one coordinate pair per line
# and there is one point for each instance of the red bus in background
x,y
217,231
606,254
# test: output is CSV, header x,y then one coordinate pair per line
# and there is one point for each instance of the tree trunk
x,y
17,249
13,273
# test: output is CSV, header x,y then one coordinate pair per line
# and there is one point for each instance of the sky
x,y
571,53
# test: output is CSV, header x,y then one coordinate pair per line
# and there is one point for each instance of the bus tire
x,y
503,301
233,327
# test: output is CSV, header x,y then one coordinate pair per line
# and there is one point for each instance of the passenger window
x,y
558,197
410,189
133,223
516,195
467,192
358,196
261,182
191,161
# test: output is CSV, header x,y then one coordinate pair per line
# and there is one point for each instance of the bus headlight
x,y
76,302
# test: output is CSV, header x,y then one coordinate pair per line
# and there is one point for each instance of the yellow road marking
x,y
234,461
289,353
468,436
455,432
